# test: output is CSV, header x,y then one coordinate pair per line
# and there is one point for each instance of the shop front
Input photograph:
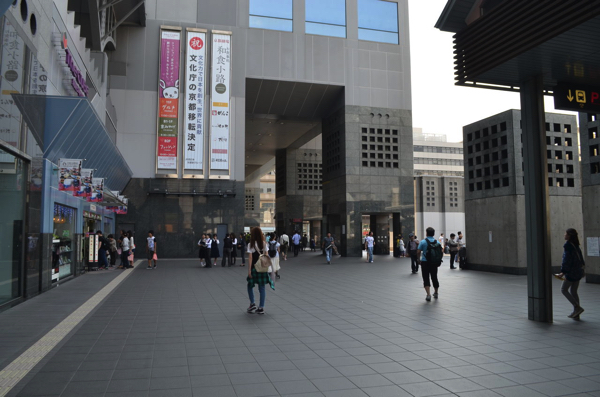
x,y
63,242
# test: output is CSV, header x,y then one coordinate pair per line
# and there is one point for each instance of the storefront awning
x,y
68,127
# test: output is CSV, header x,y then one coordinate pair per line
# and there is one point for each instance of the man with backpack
x,y
413,246
431,254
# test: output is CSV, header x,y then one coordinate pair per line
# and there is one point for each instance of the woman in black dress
x,y
233,248
214,249
202,250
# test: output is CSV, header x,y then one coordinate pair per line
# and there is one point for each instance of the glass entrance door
x,y
13,190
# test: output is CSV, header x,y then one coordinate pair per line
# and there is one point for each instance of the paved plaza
x,y
348,329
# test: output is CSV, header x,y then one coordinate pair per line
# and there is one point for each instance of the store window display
x,y
62,242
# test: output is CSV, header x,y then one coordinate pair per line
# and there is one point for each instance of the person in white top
x,y
124,250
442,240
234,248
131,247
284,243
370,243
273,243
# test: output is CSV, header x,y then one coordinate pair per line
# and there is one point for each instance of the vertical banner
x,y
220,106
97,191
11,82
68,171
195,64
83,184
168,100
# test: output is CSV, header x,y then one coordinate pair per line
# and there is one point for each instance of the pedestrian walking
x,y
274,249
304,242
242,247
284,242
370,244
572,270
202,254
453,246
151,246
401,247
104,247
327,246
234,248
431,254
125,251
227,247
413,246
257,246
214,249
296,240
112,249
312,243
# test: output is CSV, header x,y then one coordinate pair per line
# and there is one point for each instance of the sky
x,y
440,107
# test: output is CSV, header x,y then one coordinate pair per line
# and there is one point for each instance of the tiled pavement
x,y
349,329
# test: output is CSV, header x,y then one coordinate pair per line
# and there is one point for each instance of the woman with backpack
x,y
257,247
274,249
572,271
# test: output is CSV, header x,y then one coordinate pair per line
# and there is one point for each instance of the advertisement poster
x,y
69,170
11,82
220,106
83,184
97,194
168,100
195,64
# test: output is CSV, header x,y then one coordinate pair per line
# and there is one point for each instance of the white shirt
x,y
125,244
208,242
441,240
251,249
369,240
284,237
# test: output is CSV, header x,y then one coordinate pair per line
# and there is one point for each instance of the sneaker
x,y
278,277
435,295
577,312
260,310
576,318
252,308
428,298
149,267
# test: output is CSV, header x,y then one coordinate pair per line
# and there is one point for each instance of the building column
x,y
539,287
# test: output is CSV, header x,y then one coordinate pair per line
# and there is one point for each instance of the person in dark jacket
x,y
572,271
227,248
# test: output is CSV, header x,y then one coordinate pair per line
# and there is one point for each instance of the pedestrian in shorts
x,y
151,249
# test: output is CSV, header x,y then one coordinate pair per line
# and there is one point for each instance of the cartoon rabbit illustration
x,y
170,92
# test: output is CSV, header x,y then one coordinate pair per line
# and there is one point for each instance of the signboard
x,y
593,248
92,252
90,215
195,65
168,100
577,97
69,170
220,102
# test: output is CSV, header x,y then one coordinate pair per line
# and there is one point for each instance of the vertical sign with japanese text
x,y
168,100
195,65
220,102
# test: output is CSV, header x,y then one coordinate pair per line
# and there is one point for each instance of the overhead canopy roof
x,y
520,39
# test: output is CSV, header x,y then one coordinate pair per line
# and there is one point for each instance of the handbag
x,y
263,262
154,257
130,257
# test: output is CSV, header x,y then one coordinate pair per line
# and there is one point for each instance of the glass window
x,y
378,21
326,17
62,241
271,14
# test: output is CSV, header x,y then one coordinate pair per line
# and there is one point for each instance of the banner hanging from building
x,y
83,184
220,101
69,170
168,100
97,195
195,64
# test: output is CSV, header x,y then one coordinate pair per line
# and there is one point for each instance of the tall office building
x,y
212,95
495,188
439,184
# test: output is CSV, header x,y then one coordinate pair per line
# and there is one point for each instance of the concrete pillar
x,y
539,287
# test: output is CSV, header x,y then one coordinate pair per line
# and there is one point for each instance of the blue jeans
x,y
261,291
370,254
102,261
328,254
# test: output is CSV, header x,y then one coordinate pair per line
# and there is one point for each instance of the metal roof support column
x,y
539,287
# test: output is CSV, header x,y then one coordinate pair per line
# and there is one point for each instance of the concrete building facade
x,y
590,171
494,190
290,83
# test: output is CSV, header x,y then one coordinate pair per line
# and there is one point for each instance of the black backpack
x,y
434,254
272,249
